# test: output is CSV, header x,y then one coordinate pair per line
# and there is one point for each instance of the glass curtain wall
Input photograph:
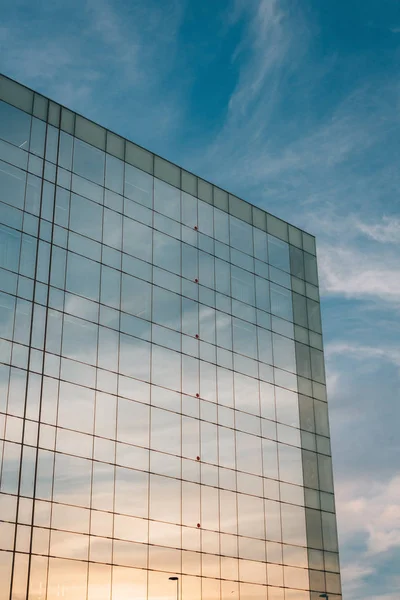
x,y
162,404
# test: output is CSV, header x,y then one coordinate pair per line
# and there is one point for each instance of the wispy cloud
x,y
123,33
109,53
275,39
268,42
363,353
387,232
353,273
373,509
357,254
370,510
353,575
110,27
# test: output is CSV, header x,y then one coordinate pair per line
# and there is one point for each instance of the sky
x,y
294,106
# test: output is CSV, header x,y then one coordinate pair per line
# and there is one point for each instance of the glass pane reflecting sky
x,y
163,407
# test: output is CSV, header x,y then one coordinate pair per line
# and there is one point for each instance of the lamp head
x,y
173,578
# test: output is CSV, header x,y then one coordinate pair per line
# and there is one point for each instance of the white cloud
x,y
39,57
388,231
355,273
110,50
353,574
123,37
363,353
275,39
365,506
333,381
269,43
106,23
357,257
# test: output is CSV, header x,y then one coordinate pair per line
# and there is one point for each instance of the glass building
x,y
162,406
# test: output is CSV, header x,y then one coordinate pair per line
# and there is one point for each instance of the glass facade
x,y
163,407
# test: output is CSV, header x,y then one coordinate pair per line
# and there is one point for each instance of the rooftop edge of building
x,y
33,103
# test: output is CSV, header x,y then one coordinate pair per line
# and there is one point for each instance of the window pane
x,y
278,253
165,431
110,287
314,316
189,210
166,368
165,499
242,285
166,308
137,239
284,355
167,252
72,480
287,407
76,408
135,297
281,302
138,186
83,276
317,365
248,449
244,338
12,185
7,311
167,199
310,265
67,577
206,270
10,241
293,525
88,162
300,310
251,516
241,235
131,492
133,422
86,217
79,340
325,473
329,532
221,226
246,394
114,174
65,151
303,360
262,294
265,346
134,358
296,262
14,125
290,465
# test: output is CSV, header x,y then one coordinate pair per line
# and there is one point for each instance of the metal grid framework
x,y
163,405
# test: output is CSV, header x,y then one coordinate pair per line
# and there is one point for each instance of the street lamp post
x,y
177,585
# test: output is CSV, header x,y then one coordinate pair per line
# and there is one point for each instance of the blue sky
x,y
293,106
